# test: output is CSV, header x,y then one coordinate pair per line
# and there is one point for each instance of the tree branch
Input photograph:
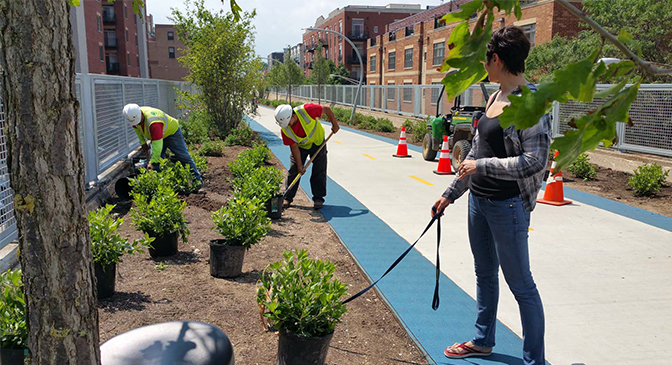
x,y
648,67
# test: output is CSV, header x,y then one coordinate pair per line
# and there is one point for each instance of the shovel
x,y
296,179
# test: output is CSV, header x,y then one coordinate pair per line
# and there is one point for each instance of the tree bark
x,y
37,73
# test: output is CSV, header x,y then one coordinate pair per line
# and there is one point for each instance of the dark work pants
x,y
318,178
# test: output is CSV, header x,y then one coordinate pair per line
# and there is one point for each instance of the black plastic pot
x,y
274,207
12,356
105,279
226,261
297,350
163,246
123,188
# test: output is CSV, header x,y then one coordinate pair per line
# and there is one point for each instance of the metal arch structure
x,y
361,66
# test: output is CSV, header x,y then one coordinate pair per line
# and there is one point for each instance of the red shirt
x,y
315,111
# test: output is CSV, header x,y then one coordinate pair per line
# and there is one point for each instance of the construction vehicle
x,y
459,124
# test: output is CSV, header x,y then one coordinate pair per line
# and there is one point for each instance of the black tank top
x,y
491,144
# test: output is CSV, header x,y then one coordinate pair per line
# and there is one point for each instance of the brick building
x,y
164,50
356,22
412,49
112,38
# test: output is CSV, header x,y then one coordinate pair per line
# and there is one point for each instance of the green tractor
x,y
459,124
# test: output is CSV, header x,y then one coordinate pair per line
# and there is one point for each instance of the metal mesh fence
x,y
111,131
7,220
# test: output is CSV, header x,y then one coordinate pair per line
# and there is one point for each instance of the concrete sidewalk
x,y
605,278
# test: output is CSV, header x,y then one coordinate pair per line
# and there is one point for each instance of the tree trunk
x,y
37,69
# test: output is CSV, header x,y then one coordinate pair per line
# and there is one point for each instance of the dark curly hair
x,y
512,46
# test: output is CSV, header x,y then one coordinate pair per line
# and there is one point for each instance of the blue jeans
x,y
498,232
177,145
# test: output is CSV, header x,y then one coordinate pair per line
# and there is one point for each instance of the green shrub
x,y
161,215
201,163
249,160
241,136
107,246
415,129
242,222
13,329
180,177
648,179
147,183
341,114
213,148
301,296
582,168
261,184
385,125
240,167
196,127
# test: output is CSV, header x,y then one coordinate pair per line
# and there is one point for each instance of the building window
x,y
375,29
439,53
171,36
125,11
340,51
126,35
100,26
527,2
530,31
408,58
137,58
135,20
171,52
372,65
128,59
340,29
391,60
393,36
410,30
435,92
439,22
102,55
391,92
136,39
357,28
408,93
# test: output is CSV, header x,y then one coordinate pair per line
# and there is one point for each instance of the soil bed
x,y
184,290
613,185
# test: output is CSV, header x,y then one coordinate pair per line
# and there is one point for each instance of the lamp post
x,y
361,67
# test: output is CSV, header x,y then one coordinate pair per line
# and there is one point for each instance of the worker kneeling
x,y
163,131
304,134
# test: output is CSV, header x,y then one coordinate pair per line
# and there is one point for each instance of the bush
x,y
201,163
196,127
385,125
180,177
249,160
261,184
147,183
242,222
13,329
107,246
213,148
648,179
415,129
582,168
299,295
241,136
162,215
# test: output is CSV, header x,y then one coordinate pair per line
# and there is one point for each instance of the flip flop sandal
x,y
465,351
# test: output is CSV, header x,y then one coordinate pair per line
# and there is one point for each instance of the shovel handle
x,y
296,179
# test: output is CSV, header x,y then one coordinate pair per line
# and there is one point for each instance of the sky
x,y
278,22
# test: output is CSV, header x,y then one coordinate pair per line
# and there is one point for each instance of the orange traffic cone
x,y
554,194
402,149
444,159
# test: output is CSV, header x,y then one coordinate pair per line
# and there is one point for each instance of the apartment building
x,y
274,58
296,54
357,23
110,38
412,49
164,51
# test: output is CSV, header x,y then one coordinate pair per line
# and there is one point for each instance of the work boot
x,y
286,203
318,204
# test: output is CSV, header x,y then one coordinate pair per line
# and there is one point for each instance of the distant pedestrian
x,y
304,134
503,172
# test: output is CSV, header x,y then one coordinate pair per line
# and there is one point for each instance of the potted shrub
x,y
242,223
107,247
13,331
262,184
301,299
161,218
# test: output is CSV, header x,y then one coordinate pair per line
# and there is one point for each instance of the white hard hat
x,y
132,113
283,113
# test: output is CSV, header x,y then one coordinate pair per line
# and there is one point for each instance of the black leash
x,y
435,301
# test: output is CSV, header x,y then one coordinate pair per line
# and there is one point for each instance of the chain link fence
x,y
651,113
105,137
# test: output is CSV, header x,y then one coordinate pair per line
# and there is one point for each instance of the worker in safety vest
x,y
304,134
163,131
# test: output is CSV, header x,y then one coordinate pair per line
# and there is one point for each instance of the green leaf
x,y
587,89
466,11
75,2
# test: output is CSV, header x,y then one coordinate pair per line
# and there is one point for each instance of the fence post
x,y
88,110
556,119
620,132
398,97
417,100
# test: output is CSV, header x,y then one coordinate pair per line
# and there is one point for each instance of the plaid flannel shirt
x,y
528,155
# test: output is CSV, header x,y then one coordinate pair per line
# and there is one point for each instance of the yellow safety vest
x,y
312,127
153,115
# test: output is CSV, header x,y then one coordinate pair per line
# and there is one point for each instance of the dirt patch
x,y
184,290
613,185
